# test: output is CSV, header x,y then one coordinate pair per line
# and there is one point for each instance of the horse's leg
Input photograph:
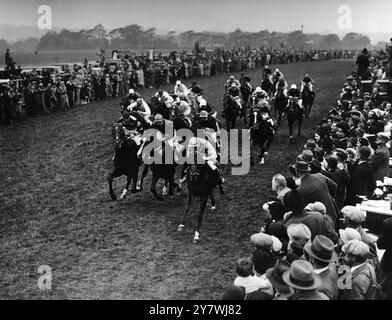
x,y
134,182
125,191
171,185
164,189
290,122
191,197
153,189
213,207
144,174
203,203
299,126
262,151
110,181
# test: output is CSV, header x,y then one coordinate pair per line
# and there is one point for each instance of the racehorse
x,y
201,182
126,161
230,111
308,97
165,171
161,108
295,114
280,102
261,133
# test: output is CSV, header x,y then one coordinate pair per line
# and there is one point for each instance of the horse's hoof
x,y
261,161
213,208
139,189
180,228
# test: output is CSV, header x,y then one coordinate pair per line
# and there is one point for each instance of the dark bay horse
x,y
201,181
280,102
295,114
261,132
162,170
126,161
230,111
308,97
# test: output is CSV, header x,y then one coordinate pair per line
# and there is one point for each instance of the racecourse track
x,y
55,207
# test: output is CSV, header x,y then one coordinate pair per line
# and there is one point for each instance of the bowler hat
x,y
301,276
321,248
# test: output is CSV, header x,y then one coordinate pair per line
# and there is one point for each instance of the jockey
x,y
195,89
170,138
210,126
294,92
203,104
132,95
307,81
230,82
180,88
133,126
258,95
141,107
210,156
235,93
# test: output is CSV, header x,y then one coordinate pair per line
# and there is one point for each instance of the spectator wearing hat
x,y
329,224
245,278
363,63
353,217
279,185
316,187
274,275
362,273
384,242
340,177
321,254
380,160
362,182
302,279
294,202
299,235
267,243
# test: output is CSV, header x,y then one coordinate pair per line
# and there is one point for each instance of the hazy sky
x,y
200,15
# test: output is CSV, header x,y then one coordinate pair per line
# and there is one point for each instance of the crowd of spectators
x,y
46,90
313,242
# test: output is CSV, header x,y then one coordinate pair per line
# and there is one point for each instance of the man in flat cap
x,y
362,274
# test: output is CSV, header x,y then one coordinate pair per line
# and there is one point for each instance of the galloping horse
x,y
230,111
280,102
261,132
295,114
308,97
165,171
126,161
201,183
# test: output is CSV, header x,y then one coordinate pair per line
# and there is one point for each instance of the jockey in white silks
x,y
141,107
204,147
180,88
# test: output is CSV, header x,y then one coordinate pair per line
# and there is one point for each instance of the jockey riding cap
x,y
158,118
178,82
233,85
258,90
293,86
203,114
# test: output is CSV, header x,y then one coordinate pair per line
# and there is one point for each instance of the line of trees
x,y
135,36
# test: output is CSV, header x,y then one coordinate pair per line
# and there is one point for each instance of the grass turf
x,y
55,207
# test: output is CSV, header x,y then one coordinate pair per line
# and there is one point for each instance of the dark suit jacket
x,y
362,182
329,284
313,220
385,242
380,163
317,187
361,279
308,295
